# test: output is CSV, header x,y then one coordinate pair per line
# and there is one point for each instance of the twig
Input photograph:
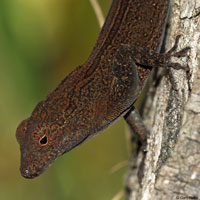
x,y
98,12
118,196
118,166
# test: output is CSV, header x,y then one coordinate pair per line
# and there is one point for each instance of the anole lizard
x,y
103,89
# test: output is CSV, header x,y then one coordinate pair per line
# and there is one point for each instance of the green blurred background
x,y
41,41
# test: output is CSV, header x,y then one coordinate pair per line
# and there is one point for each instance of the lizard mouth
x,y
31,166
31,172
27,174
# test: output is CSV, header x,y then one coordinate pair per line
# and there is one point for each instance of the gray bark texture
x,y
172,164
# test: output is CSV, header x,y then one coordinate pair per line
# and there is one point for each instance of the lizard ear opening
x,y
43,140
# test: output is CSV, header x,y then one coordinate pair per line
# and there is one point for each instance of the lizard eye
x,y
43,140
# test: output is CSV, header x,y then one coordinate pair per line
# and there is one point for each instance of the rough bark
x,y
172,165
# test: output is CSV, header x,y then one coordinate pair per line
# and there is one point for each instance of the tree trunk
x,y
172,164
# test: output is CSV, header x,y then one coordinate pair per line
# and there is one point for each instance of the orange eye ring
x,y
43,141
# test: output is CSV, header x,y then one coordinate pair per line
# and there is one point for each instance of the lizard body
x,y
97,93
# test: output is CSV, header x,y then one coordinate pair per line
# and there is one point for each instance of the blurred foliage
x,y
41,42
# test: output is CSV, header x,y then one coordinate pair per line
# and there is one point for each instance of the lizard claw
x,y
179,54
175,45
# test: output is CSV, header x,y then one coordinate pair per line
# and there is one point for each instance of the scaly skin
x,y
98,92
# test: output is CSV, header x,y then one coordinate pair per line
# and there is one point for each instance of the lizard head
x,y
36,143
41,138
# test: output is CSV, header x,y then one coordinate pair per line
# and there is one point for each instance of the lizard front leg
x,y
149,58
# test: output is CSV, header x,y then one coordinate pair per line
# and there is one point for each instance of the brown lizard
x,y
103,89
